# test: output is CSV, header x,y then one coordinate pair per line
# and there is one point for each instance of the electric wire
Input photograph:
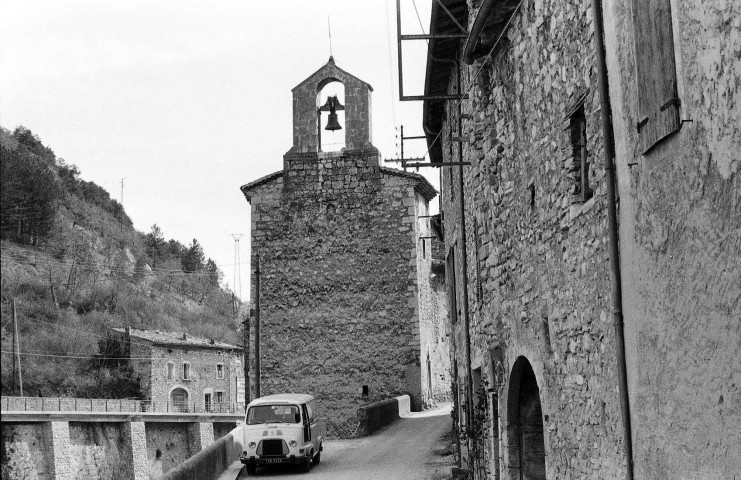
x,y
488,56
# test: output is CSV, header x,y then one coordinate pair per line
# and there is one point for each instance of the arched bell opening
x,y
330,103
525,433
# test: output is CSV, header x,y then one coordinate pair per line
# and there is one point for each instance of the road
x,y
416,447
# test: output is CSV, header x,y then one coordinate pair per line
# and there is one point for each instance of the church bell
x,y
332,123
331,106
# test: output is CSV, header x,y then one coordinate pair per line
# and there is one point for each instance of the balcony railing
x,y
60,404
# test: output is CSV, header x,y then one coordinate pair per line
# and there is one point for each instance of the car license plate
x,y
273,460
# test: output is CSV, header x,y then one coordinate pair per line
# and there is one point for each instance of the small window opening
x,y
219,370
331,140
365,390
531,188
424,248
581,190
170,371
186,371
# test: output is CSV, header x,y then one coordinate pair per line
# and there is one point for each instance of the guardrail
x,y
209,463
376,415
61,404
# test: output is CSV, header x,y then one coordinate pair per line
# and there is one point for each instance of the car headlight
x,y
293,443
252,444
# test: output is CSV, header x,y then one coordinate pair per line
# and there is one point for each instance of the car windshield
x,y
273,414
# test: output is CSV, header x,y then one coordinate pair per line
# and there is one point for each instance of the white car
x,y
282,429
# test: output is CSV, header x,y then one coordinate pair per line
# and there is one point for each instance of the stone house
x,y
547,257
183,372
346,265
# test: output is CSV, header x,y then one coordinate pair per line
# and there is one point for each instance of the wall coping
x,y
21,416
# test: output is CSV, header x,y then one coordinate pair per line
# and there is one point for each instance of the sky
x,y
188,100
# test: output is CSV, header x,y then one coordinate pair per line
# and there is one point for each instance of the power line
x,y
90,357
488,56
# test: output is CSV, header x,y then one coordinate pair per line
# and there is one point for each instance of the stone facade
x,y
680,229
343,271
213,368
543,347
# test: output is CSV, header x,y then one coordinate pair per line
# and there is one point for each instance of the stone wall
x,y
26,451
680,218
338,243
99,450
115,450
202,374
168,445
537,276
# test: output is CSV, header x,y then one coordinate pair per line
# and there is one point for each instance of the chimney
x,y
185,336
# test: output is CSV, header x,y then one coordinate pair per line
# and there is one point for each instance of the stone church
x,y
349,296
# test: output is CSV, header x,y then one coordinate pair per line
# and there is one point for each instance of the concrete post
x,y
136,438
58,436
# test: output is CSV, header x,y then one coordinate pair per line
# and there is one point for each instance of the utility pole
x,y
237,265
122,185
16,350
257,326
246,343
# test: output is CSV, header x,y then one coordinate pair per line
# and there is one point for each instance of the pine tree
x,y
155,245
193,260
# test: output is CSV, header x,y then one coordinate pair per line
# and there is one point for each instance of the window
x,y
186,370
219,370
365,390
658,101
424,248
579,166
170,370
219,397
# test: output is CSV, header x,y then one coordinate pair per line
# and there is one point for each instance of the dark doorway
x,y
179,400
525,418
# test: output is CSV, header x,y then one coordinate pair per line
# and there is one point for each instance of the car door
x,y
307,423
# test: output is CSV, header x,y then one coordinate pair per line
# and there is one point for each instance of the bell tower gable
x,y
307,114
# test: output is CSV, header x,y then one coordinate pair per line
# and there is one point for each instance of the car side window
x,y
311,412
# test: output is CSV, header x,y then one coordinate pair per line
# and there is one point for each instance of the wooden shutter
x,y
658,104
452,287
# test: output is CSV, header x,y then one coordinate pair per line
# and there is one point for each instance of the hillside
x,y
75,266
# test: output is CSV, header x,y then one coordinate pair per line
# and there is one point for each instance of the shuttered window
x,y
452,287
658,103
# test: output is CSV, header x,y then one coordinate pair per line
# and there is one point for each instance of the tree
x,y
193,260
155,245
214,275
29,195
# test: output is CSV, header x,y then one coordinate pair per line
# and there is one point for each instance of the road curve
x,y
413,448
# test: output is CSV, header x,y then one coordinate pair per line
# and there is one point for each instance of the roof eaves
x,y
260,181
422,185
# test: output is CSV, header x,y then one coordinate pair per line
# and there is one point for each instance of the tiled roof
x,y
176,339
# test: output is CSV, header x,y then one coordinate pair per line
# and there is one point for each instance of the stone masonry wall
x,y
680,218
168,445
434,351
99,450
202,374
25,451
538,276
337,242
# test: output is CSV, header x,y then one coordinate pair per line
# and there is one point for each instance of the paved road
x,y
416,447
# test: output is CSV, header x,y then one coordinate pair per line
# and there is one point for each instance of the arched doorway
x,y
179,400
526,452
